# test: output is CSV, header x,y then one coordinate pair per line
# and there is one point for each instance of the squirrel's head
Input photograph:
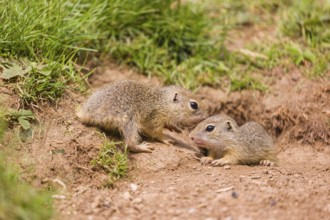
x,y
187,109
218,131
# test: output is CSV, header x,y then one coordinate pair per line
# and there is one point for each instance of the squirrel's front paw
x,y
206,160
266,163
144,148
219,163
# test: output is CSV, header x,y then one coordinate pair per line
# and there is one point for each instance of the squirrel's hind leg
x,y
133,138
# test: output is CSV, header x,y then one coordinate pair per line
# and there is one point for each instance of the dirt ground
x,y
170,183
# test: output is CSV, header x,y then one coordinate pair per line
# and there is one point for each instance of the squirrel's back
x,y
122,98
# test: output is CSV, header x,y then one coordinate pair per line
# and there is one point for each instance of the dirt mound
x,y
294,110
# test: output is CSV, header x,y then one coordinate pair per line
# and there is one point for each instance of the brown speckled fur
x,y
230,144
134,108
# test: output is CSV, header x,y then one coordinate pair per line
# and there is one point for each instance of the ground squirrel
x,y
136,108
224,142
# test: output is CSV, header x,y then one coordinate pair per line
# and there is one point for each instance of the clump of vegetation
x,y
113,160
308,20
303,38
165,38
22,117
38,82
19,200
308,23
183,43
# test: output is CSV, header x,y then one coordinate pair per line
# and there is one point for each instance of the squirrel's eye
x,y
194,105
209,128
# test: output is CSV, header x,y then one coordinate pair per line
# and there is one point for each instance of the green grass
x,y
302,38
113,160
308,21
18,200
182,43
163,38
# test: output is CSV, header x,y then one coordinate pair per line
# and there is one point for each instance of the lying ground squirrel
x,y
136,108
224,142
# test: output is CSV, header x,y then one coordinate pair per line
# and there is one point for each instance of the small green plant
x,y
22,117
113,160
19,200
36,81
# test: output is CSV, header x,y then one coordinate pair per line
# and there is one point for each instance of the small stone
x,y
273,202
127,196
224,209
255,177
210,218
134,187
226,167
191,210
234,195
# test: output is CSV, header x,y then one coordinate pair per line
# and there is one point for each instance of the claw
x,y
144,148
206,160
219,163
266,163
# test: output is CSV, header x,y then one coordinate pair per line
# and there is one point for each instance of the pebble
x,y
191,210
210,218
273,202
228,218
255,177
127,196
134,187
234,195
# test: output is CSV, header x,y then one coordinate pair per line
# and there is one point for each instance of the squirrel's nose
x,y
192,138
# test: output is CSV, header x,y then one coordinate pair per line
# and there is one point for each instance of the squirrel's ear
x,y
175,99
229,126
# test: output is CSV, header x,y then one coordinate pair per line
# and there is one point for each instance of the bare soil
x,y
170,183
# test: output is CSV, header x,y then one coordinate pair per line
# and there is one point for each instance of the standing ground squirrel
x,y
136,108
225,142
